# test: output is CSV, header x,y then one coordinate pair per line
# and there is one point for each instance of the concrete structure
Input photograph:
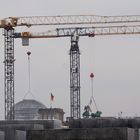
x,y
83,134
105,122
51,113
2,135
28,109
81,129
15,130
20,135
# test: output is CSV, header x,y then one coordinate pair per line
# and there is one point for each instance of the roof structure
x,y
27,109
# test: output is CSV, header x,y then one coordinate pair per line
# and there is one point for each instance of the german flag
x,y
52,97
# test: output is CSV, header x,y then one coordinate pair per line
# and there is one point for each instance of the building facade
x,y
51,113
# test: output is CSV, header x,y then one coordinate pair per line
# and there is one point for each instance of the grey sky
x,y
114,60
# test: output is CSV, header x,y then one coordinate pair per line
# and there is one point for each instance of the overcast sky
x,y
114,60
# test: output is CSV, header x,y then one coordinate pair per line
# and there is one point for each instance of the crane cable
x,y
29,77
92,97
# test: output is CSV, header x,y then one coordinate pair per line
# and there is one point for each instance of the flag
x,y
52,97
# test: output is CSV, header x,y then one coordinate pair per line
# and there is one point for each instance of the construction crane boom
x,y
82,31
67,20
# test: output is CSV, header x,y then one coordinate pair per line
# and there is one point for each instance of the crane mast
x,y
107,25
9,72
75,77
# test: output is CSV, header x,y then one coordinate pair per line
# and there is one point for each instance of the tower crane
x,y
72,26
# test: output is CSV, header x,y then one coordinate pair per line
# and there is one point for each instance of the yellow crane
x,y
72,26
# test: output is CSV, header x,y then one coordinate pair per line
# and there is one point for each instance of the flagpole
x,y
50,103
51,100
50,107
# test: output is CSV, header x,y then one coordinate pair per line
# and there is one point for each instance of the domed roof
x,y
28,109
29,103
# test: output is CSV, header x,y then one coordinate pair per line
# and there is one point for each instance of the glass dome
x,y
27,109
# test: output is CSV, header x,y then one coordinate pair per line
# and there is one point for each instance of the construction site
x,y
69,76
30,119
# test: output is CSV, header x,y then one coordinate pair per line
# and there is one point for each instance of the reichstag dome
x,y
27,109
